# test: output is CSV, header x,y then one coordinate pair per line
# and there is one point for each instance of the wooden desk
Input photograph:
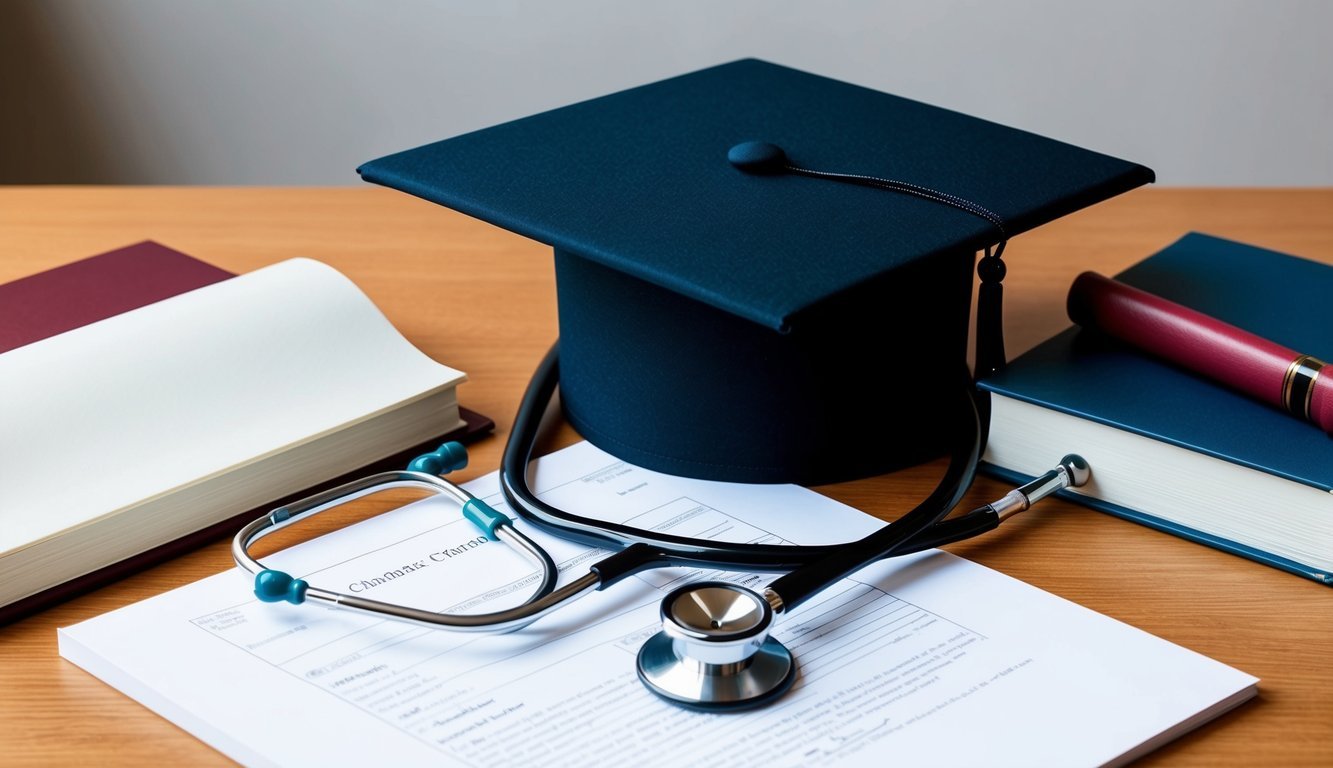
x,y
483,300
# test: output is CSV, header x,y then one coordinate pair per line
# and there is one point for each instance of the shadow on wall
x,y
48,130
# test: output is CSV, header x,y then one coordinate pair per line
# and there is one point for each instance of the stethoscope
x,y
714,651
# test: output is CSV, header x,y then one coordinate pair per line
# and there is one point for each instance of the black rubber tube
x,y
917,530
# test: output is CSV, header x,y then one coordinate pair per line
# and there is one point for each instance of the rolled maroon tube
x,y
1263,369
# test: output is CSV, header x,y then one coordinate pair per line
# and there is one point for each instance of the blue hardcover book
x,y
1172,450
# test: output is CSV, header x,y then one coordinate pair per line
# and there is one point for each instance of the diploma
x,y
1204,345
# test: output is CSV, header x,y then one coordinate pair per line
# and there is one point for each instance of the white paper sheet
x,y
924,660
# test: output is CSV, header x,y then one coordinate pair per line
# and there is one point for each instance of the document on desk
x,y
928,659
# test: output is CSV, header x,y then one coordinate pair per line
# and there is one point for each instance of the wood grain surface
x,y
482,300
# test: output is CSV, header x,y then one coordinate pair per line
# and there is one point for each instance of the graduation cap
x,y
763,275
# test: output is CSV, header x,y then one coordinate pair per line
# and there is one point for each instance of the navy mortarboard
x,y
763,275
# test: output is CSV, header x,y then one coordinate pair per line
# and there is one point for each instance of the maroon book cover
x,y
62,299
78,294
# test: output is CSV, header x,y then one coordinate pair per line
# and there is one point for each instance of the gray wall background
x,y
1221,92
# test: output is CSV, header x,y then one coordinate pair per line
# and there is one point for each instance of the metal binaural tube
x,y
541,602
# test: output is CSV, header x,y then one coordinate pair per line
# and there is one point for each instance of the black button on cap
x,y
758,157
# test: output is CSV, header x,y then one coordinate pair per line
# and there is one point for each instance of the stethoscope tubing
x,y
921,528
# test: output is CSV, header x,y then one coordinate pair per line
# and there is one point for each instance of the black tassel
x,y
990,313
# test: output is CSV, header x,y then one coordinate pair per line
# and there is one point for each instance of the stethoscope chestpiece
x,y
714,653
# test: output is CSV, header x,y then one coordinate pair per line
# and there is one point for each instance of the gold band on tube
x,y
1298,385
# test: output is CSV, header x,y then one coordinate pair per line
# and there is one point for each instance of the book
x,y
54,546
1169,449
897,659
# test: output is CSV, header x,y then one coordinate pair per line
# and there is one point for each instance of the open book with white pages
x,y
928,658
141,429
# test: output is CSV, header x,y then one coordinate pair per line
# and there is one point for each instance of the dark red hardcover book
x,y
78,294
92,289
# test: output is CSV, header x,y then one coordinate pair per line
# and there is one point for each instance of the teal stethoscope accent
x,y
276,586
423,473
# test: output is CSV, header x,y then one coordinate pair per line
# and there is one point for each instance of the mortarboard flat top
x,y
638,181
635,192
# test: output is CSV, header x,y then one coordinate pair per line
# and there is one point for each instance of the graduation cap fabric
x,y
760,324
